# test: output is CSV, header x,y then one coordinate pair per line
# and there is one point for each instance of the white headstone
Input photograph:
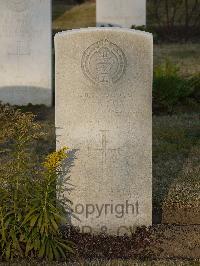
x,y
123,13
25,52
103,113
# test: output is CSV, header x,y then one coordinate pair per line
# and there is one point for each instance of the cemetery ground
x,y
174,237
176,155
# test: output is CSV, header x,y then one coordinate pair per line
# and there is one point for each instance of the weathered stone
x,y
124,13
25,52
103,113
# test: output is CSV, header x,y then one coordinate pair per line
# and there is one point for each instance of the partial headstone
x,y
25,52
104,114
121,13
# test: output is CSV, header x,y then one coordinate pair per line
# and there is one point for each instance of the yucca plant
x,y
30,211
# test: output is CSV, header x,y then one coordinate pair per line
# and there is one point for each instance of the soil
x,y
156,242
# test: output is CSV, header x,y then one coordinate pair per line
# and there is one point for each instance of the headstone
x,y
103,113
123,13
25,52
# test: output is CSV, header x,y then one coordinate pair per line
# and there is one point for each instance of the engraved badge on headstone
x,y
104,62
18,5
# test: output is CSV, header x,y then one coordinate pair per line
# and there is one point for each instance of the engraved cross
x,y
104,150
21,49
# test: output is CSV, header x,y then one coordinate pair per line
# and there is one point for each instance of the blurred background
x,y
169,20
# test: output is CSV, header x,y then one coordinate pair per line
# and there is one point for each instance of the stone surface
x,y
103,113
124,13
25,52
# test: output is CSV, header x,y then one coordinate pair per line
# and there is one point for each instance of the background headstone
x,y
25,52
103,113
123,13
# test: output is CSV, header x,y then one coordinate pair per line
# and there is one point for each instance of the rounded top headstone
x,y
103,109
103,60
63,34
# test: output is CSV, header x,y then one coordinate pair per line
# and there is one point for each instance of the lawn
x,y
66,17
176,161
176,154
74,17
176,157
187,55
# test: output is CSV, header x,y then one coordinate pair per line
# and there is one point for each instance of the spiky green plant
x,y
30,212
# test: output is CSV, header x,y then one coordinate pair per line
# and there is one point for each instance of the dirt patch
x,y
156,242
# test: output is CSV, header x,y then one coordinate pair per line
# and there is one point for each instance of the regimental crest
x,y
18,5
104,62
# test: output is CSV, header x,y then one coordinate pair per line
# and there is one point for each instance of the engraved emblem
x,y
18,5
104,62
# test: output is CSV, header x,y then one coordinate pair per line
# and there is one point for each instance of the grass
x,y
84,15
182,202
59,9
76,17
187,56
176,145
175,141
80,16
185,189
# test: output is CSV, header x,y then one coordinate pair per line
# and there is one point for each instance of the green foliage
x,y
30,212
169,88
194,83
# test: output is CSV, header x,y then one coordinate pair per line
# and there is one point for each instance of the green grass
x,y
174,139
84,15
182,202
76,17
176,146
80,16
59,9
187,56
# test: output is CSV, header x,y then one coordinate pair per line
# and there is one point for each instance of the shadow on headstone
x,y
65,178
24,95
